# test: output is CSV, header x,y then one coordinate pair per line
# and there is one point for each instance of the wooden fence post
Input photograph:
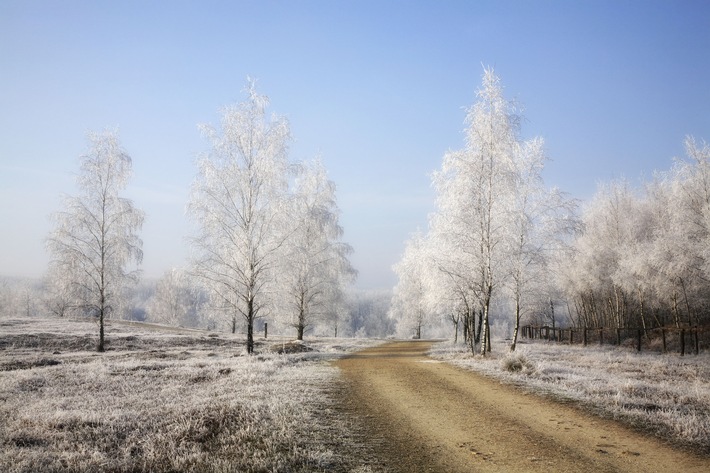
x,y
584,336
697,340
682,342
601,336
638,339
663,336
266,330
571,336
618,337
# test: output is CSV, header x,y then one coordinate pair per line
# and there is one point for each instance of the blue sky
x,y
377,89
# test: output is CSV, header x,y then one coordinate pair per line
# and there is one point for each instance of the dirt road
x,y
424,416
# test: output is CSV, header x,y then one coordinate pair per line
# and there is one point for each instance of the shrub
x,y
516,363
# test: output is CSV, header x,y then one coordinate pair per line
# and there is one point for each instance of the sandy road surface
x,y
420,415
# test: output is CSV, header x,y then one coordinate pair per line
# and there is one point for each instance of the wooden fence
x,y
684,339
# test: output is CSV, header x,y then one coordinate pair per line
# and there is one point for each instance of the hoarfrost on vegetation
x,y
163,399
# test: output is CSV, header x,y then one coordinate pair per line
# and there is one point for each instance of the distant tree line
x,y
643,260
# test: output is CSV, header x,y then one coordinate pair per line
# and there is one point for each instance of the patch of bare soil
x,y
425,416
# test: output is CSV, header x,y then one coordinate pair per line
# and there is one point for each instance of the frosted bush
x,y
516,363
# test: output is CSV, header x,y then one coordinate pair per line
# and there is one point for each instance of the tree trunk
x,y
642,312
517,324
250,325
484,333
471,332
102,311
687,304
488,335
100,347
486,342
480,326
466,326
301,324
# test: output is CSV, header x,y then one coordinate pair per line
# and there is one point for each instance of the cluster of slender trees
x,y
643,260
496,231
502,244
269,240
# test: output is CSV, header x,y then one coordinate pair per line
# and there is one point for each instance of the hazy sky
x,y
376,88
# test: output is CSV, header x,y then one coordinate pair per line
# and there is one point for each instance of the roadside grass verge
x,y
663,394
162,399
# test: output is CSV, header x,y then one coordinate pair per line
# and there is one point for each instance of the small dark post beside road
x,y
682,342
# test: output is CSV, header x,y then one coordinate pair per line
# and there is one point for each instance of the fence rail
x,y
684,339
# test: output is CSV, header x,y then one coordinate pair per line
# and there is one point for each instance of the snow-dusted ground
x,y
666,394
163,399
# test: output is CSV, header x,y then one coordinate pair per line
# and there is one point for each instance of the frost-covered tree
x,y
496,226
176,300
642,258
337,320
238,202
452,284
599,252
690,217
473,189
95,239
315,266
58,296
369,311
541,222
409,306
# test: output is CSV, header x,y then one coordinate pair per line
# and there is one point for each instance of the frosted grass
x,y
665,394
163,399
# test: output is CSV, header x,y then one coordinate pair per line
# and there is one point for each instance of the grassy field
x,y
166,400
162,399
664,394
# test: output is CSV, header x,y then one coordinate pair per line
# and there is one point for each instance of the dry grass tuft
x,y
516,363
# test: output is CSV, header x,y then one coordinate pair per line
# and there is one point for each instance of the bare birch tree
x,y
95,237
238,202
315,265
176,300
473,188
409,306
541,222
